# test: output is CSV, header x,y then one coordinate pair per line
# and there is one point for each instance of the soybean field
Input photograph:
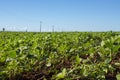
x,y
60,55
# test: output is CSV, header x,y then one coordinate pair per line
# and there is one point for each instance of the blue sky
x,y
65,15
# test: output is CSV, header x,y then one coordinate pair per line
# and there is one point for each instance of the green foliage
x,y
60,55
61,75
118,76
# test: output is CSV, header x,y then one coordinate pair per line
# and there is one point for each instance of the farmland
x,y
60,56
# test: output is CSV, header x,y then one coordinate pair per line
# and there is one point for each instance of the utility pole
x,y
53,28
40,25
26,29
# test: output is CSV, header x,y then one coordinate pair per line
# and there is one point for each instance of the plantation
x,y
60,56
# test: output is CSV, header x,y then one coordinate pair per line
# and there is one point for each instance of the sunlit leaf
x,y
118,76
62,74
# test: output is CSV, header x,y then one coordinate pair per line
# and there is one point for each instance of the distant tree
x,y
3,29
